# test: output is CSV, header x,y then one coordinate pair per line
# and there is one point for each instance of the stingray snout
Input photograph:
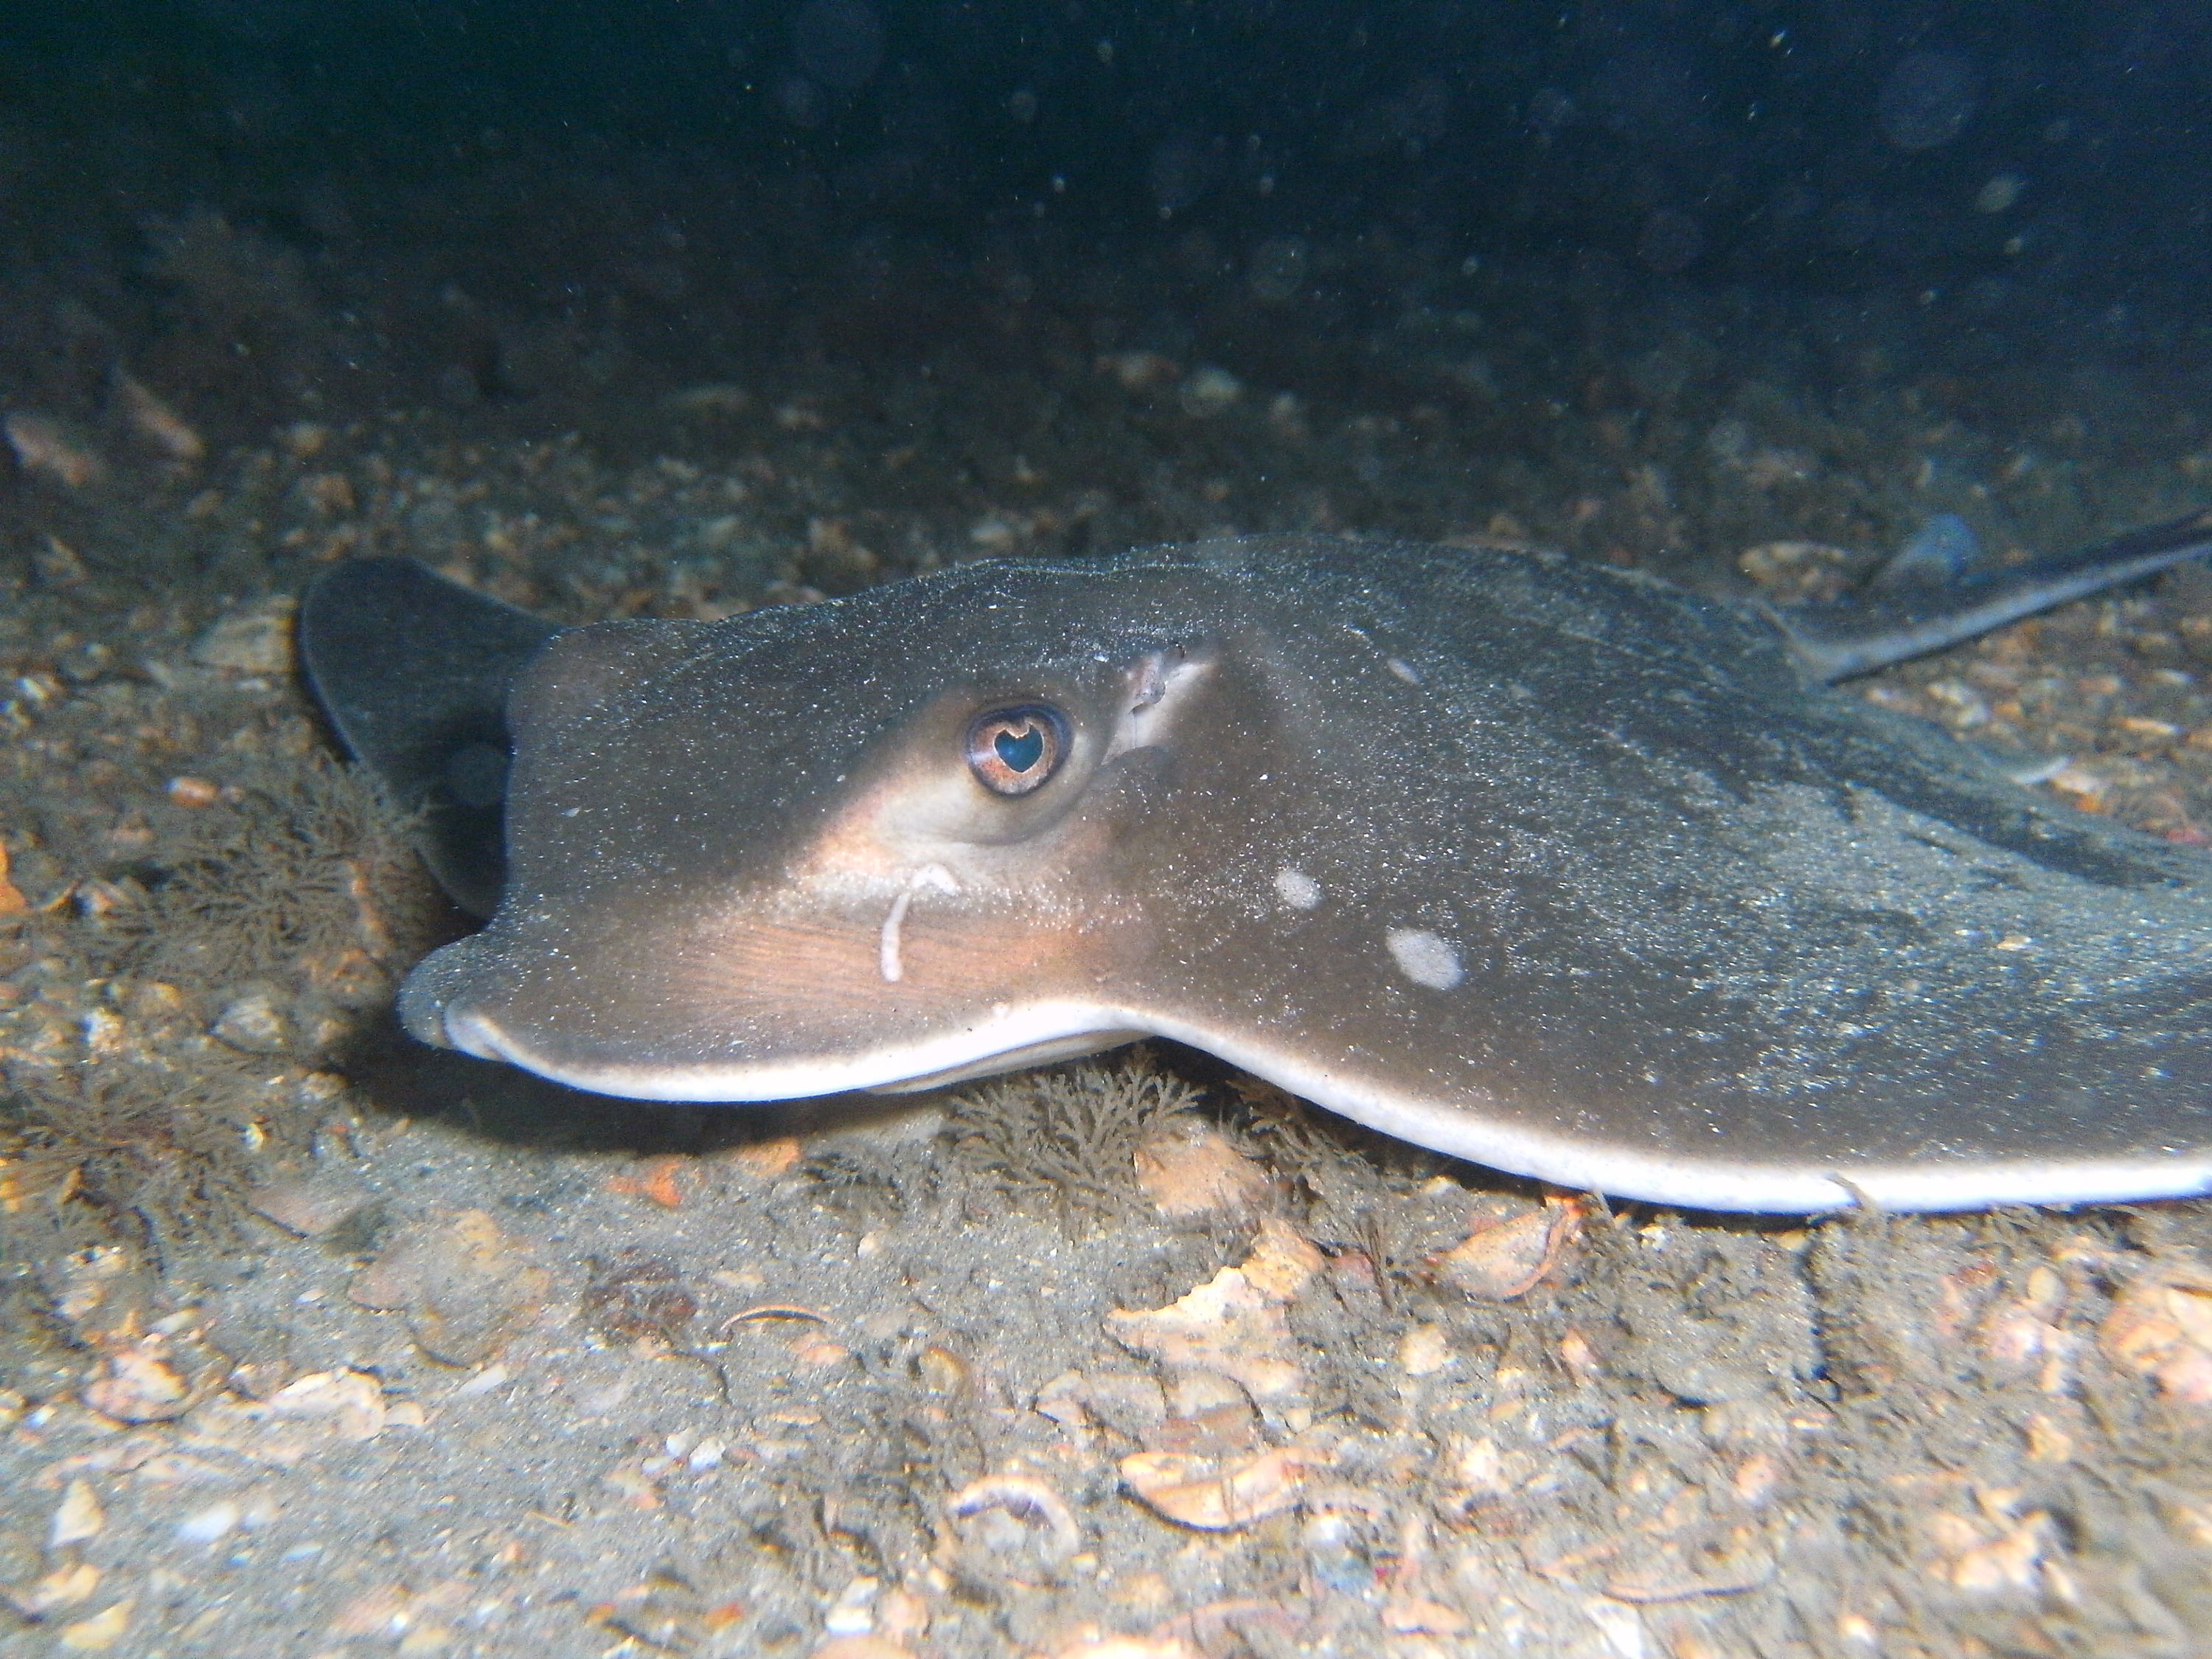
x,y
468,997
433,994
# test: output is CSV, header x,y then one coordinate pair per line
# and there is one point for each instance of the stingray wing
x,y
413,672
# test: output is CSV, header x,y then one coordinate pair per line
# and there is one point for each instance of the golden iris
x,y
1012,751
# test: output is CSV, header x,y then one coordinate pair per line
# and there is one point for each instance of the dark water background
x,y
1828,145
1989,160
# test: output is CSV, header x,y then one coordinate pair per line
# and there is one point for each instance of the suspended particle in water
x,y
801,102
1671,241
1181,170
1279,268
1550,109
839,43
1928,99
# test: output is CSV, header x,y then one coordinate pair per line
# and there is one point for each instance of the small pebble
x,y
208,1525
256,641
311,1205
100,1632
853,1612
1423,1351
79,1517
253,1025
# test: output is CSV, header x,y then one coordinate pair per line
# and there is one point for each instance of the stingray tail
x,y
413,672
1890,621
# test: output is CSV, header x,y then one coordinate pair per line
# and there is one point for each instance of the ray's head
x,y
868,843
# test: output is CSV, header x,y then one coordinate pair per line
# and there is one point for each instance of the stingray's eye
x,y
1013,751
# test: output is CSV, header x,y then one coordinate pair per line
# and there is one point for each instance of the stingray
x,y
1541,864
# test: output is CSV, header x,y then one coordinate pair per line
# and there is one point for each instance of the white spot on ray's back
x,y
1424,958
1404,670
1296,889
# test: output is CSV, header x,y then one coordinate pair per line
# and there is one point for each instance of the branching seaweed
x,y
1069,1135
166,1158
310,862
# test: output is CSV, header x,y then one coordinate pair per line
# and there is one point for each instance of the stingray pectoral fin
x,y
1739,1159
1049,1053
1884,625
413,672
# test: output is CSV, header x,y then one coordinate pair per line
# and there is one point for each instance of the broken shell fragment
x,y
100,1632
1423,1351
1220,1494
159,424
862,1647
1510,1247
253,1024
1417,1616
1095,1645
79,1517
351,1403
1235,1323
1192,1169
465,1285
64,1587
309,1206
138,1388
40,445
255,641
1016,1518
2161,1327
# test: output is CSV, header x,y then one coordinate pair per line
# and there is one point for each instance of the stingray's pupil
x,y
1021,753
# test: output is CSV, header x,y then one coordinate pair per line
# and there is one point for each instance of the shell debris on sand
x,y
1211,391
463,1282
78,1517
100,1633
2160,1326
1012,1526
307,1417
310,1206
12,900
1511,1246
1233,1324
257,641
43,446
1212,1493
1226,1347
1192,1169
140,1385
65,1586
160,425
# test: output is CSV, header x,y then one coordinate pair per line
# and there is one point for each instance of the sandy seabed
x,y
312,1341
